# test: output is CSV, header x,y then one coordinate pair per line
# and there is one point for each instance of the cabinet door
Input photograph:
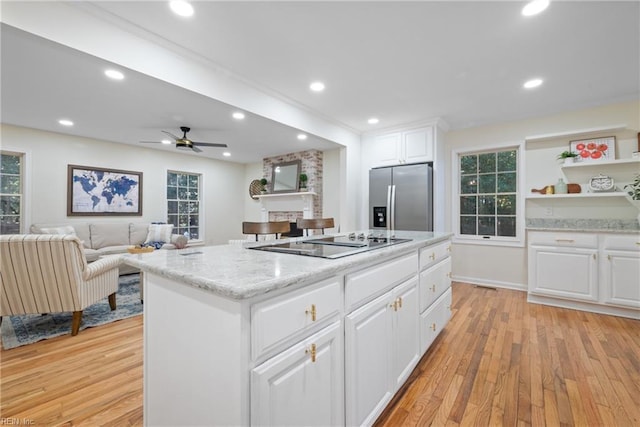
x,y
368,360
298,388
434,319
405,330
621,281
564,272
386,150
417,145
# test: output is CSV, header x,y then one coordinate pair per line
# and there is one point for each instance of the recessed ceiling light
x,y
65,122
530,84
534,7
317,86
302,136
238,115
166,141
114,74
226,154
373,120
181,7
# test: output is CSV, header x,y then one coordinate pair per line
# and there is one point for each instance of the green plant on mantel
x,y
303,180
566,155
263,182
634,188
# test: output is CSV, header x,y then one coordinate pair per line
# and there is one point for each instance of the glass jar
x,y
561,187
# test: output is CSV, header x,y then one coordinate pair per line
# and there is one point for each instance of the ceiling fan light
x,y
181,8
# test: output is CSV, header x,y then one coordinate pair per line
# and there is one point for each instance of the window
x,y
183,203
488,203
11,192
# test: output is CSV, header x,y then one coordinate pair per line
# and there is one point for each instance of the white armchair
x,y
48,273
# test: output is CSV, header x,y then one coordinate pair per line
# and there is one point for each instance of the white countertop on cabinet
x,y
236,272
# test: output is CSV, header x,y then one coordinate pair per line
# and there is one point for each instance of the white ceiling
x,y
402,62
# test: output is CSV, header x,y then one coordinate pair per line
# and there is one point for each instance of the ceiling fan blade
x,y
150,142
170,134
208,144
196,149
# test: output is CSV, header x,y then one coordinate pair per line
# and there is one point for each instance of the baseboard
x,y
491,283
631,313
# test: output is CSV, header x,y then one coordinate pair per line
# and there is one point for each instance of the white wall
x,y
223,188
252,211
507,266
332,187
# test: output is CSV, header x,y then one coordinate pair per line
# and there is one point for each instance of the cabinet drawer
x,y
361,286
622,242
433,321
433,282
564,239
275,320
432,254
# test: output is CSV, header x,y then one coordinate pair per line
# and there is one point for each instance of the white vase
x,y
569,161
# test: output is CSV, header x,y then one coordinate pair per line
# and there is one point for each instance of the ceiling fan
x,y
185,142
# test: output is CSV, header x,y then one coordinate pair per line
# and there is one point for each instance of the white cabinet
x,y
434,291
586,271
412,146
434,319
381,340
302,385
621,270
564,265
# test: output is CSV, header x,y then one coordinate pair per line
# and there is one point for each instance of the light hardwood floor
x,y
500,361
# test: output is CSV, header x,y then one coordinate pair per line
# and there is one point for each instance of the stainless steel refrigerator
x,y
401,197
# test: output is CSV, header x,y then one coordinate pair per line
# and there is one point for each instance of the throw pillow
x,y
67,229
159,233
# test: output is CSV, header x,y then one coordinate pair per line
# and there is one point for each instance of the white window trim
x,y
519,240
201,239
25,215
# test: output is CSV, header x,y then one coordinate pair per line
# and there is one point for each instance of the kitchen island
x,y
236,336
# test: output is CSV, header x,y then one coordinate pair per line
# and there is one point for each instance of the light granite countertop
x,y
237,272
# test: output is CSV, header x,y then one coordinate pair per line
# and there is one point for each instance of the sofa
x,y
108,238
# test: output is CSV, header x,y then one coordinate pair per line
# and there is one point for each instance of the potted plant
x,y
633,193
567,156
303,180
263,182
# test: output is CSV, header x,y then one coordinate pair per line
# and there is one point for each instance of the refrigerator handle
x,y
388,213
393,208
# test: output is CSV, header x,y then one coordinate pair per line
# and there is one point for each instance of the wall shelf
x,y
603,163
576,195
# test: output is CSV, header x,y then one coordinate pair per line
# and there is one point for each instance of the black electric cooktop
x,y
334,246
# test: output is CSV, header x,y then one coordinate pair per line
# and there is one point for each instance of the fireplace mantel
x,y
301,201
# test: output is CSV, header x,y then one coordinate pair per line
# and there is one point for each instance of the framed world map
x,y
98,191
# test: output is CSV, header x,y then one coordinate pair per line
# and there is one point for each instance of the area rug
x,y
27,329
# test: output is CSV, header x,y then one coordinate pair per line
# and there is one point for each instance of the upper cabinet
x,y
412,146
